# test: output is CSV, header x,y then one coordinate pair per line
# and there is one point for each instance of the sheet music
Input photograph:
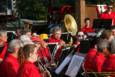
x,y
74,65
63,64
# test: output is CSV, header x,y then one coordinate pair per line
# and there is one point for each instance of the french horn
x,y
70,24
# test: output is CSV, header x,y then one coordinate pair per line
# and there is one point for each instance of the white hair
x,y
16,43
25,39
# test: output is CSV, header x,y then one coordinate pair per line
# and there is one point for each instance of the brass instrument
x,y
70,24
43,69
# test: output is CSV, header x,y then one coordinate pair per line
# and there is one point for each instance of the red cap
x,y
35,39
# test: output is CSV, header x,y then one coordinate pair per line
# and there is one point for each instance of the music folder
x,y
75,65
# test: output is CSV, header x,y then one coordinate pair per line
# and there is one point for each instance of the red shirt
x,y
99,60
109,64
53,40
44,53
28,69
108,16
4,50
94,61
9,67
89,29
89,60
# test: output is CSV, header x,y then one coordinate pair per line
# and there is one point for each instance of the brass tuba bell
x,y
70,24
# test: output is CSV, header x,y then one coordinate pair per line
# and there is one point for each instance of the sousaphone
x,y
70,24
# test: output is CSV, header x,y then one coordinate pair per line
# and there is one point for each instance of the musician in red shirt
x,y
103,51
88,64
10,65
3,45
43,51
109,64
108,14
27,60
90,56
96,57
56,38
87,27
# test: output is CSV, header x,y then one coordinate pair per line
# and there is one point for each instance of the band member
x,y
56,38
10,65
109,64
108,14
3,45
103,51
90,56
87,27
43,51
97,57
107,34
27,32
27,57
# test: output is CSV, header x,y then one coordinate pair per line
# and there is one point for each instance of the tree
x,y
32,9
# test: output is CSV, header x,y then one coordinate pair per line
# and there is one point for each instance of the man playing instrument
x,y
56,38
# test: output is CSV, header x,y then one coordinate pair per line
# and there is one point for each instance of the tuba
x,y
70,24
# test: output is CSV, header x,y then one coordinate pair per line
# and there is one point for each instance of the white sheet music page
x,y
74,65
63,64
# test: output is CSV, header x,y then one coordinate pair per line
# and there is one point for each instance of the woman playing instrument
x,y
28,55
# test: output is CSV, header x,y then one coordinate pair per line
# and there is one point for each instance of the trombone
x,y
43,69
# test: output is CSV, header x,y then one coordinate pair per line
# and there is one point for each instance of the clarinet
x,y
43,69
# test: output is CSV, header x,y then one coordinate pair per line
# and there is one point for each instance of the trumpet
x,y
45,72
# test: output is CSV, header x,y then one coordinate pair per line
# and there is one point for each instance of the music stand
x,y
102,23
66,37
84,46
53,47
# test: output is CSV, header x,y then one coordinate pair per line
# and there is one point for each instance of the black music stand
x,y
84,46
102,23
66,37
53,47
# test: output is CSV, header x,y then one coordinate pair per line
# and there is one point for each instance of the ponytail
x,y
21,57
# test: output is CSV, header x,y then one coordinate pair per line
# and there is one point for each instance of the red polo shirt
x,y
108,16
28,69
44,53
4,50
89,60
94,61
99,60
53,40
85,29
109,65
9,67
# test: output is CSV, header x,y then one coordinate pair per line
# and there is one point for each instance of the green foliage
x,y
32,9
99,1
